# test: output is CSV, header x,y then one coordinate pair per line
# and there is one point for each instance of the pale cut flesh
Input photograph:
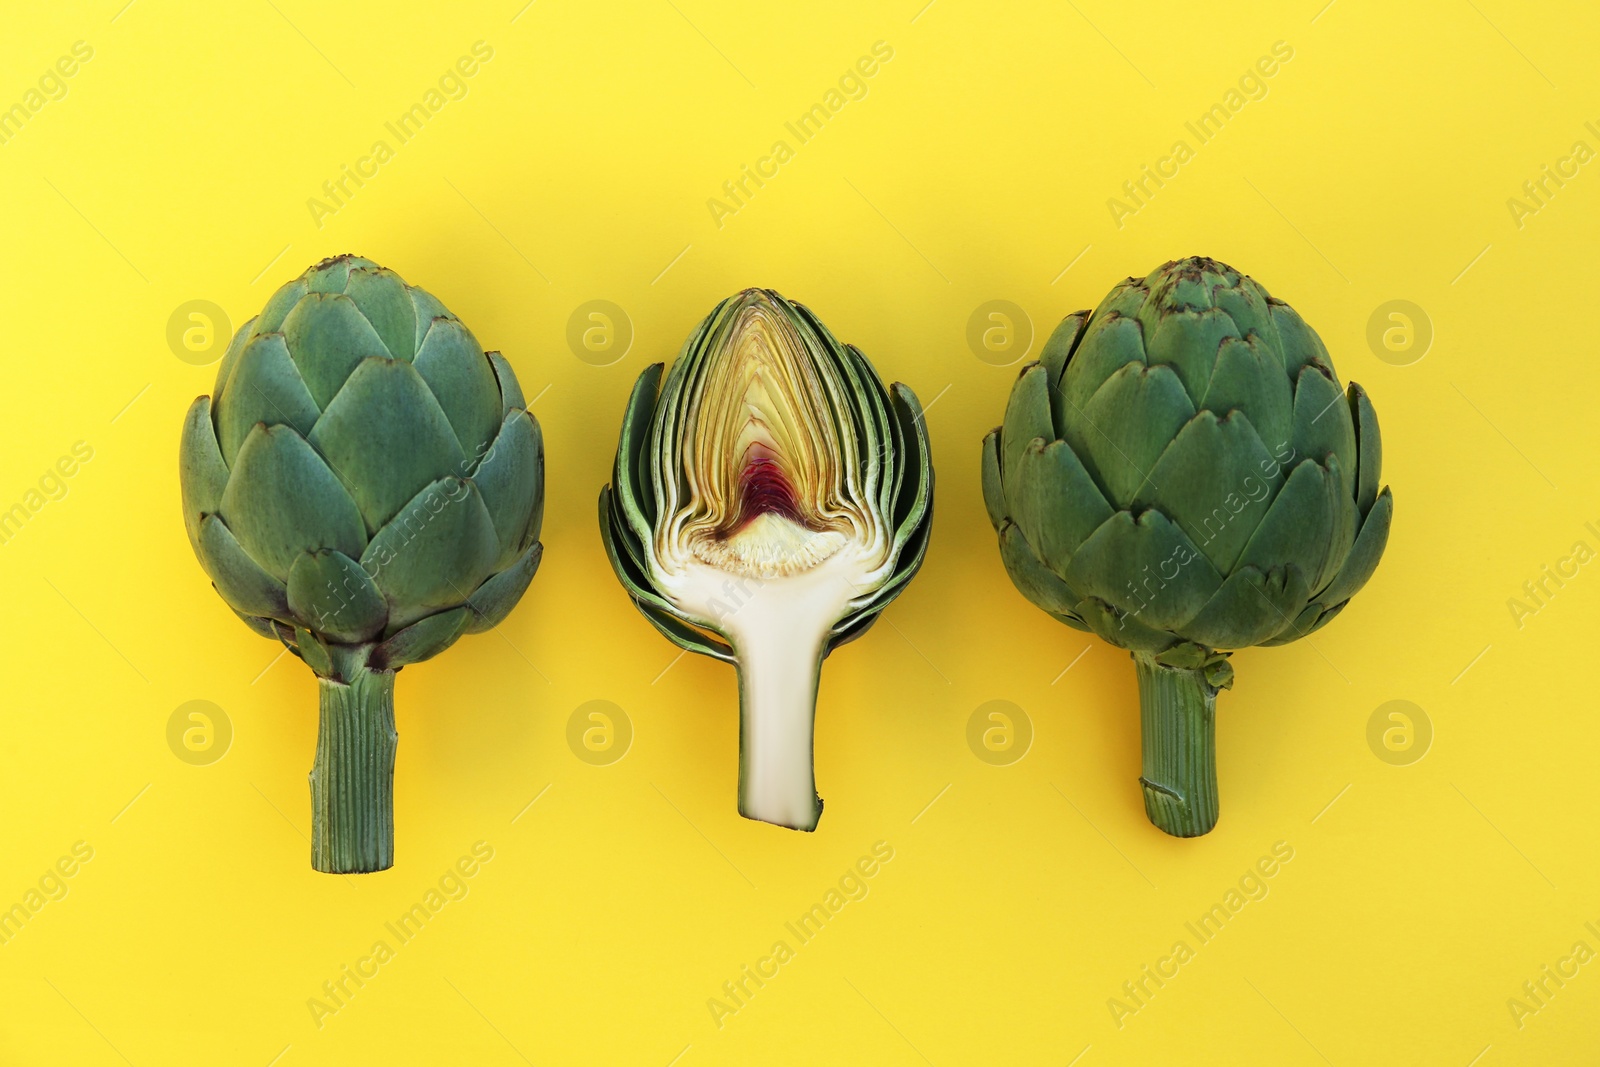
x,y
768,540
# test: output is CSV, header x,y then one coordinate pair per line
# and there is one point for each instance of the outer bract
x,y
364,485
769,500
1181,474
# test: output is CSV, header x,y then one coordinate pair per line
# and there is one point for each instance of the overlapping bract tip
x,y
1180,472
363,472
850,455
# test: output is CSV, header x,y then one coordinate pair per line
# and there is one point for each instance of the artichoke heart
x,y
771,496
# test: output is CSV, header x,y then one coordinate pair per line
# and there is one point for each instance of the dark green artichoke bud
x,y
365,485
769,500
1182,475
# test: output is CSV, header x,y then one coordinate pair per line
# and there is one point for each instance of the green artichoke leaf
x,y
387,439
684,635
1364,553
279,305
510,389
329,338
1216,480
434,552
1311,619
1187,341
265,388
239,580
243,336
1369,448
492,601
1322,423
333,275
633,486
1059,348
1126,426
463,381
1121,628
260,624
994,489
1145,567
907,564
332,594
1246,304
313,651
1032,578
202,475
632,569
1027,416
629,556
1185,656
511,479
382,299
1247,379
914,467
1301,345
1298,526
422,640
1055,503
1251,607
1346,524
282,501
1126,299
1108,344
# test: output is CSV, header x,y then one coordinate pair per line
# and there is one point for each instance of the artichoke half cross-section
x,y
364,485
1182,475
770,498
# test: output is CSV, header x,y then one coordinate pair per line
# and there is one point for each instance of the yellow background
x,y
978,166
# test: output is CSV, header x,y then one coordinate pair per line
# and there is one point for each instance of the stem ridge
x,y
352,780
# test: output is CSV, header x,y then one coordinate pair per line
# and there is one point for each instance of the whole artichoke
x,y
770,498
1181,475
364,485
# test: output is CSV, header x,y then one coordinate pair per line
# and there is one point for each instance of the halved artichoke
x,y
364,485
769,500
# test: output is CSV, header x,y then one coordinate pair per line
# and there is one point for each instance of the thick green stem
x,y
777,715
352,780
1177,716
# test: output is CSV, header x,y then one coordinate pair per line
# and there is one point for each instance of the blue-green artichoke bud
x,y
769,500
365,485
1182,475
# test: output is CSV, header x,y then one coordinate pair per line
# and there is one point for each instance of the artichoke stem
x,y
352,780
777,715
1177,715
